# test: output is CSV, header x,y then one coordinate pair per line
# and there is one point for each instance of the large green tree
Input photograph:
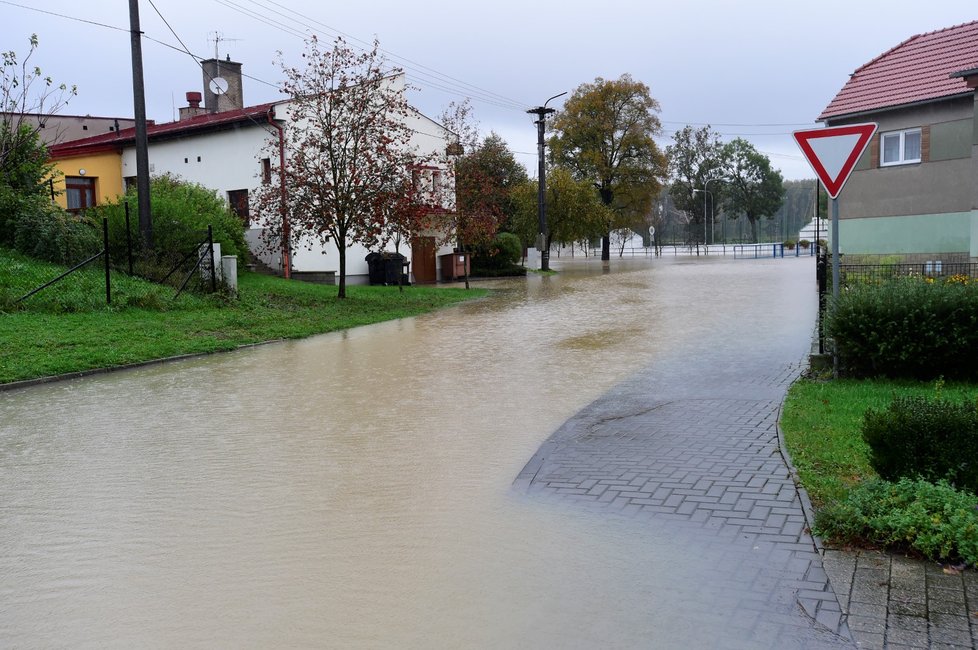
x,y
605,135
488,177
574,210
753,187
695,159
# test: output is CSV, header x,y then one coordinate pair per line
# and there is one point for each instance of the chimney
x,y
193,106
222,85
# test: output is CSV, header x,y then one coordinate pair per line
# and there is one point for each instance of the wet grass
x,y
821,422
62,333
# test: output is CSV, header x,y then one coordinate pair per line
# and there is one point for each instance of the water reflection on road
x,y
354,489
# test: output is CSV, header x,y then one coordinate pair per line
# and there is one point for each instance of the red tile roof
x,y
197,124
916,70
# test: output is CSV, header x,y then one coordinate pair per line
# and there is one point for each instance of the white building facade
x,y
232,152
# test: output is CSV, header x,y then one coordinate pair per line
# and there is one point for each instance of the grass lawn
x,y
821,422
68,328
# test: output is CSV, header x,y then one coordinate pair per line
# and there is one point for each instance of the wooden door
x,y
423,260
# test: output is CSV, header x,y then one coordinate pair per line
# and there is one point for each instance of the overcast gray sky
x,y
757,69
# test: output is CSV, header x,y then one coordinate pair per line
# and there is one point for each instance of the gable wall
x,y
942,184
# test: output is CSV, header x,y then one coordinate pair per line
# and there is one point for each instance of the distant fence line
x,y
751,251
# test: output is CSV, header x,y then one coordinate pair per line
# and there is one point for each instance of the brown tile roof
x,y
917,70
197,124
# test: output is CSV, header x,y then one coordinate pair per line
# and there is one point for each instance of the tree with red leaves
x,y
348,167
484,174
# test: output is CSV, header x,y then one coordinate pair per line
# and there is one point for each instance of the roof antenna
x,y
218,38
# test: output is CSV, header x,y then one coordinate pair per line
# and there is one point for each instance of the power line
x,y
506,103
267,128
464,85
434,78
53,13
732,124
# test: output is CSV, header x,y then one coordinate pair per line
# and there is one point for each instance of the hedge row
x,y
907,327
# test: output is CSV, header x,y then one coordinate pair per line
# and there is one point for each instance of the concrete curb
x,y
806,503
28,383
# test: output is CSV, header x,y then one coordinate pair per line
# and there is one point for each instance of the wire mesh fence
x,y
150,281
878,273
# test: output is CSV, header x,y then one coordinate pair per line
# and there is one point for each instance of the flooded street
x,y
355,489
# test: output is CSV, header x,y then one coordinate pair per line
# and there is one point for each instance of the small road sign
x,y
833,152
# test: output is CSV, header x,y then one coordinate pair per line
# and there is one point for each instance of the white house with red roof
x,y
224,147
914,192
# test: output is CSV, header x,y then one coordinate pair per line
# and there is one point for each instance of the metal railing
x,y
876,273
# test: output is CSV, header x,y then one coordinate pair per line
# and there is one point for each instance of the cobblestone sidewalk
x,y
705,456
896,602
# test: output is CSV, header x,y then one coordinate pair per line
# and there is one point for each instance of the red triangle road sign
x,y
833,152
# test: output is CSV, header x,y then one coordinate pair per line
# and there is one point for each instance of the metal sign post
x,y
832,153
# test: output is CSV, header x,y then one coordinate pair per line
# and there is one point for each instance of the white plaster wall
x,y
230,160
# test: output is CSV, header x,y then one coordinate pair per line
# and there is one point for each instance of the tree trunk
x,y
607,196
341,249
753,229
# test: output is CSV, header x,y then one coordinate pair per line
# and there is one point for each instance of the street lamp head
x,y
554,97
696,189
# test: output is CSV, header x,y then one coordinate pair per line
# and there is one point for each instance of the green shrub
x,y
24,170
906,327
922,437
181,213
804,244
789,244
502,254
509,247
933,519
48,233
506,272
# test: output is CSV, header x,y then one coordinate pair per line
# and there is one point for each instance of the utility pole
x,y
139,113
543,245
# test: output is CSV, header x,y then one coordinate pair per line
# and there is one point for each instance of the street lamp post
x,y
455,150
713,216
704,191
542,244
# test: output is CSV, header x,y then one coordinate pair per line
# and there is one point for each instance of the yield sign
x,y
833,152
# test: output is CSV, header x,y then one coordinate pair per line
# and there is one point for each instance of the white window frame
x,y
902,159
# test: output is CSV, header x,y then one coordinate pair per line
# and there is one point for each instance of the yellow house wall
x,y
105,168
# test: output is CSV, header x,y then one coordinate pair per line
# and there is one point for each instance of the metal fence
x,y
876,273
100,277
869,274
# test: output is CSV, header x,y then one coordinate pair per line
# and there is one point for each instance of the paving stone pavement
x,y
896,602
685,452
689,452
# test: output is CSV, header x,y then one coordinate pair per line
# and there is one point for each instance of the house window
x,y
900,147
266,171
238,199
130,182
80,193
436,183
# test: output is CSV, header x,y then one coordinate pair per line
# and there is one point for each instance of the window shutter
x,y
874,152
925,144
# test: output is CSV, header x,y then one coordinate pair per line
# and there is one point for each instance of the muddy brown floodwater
x,y
355,489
